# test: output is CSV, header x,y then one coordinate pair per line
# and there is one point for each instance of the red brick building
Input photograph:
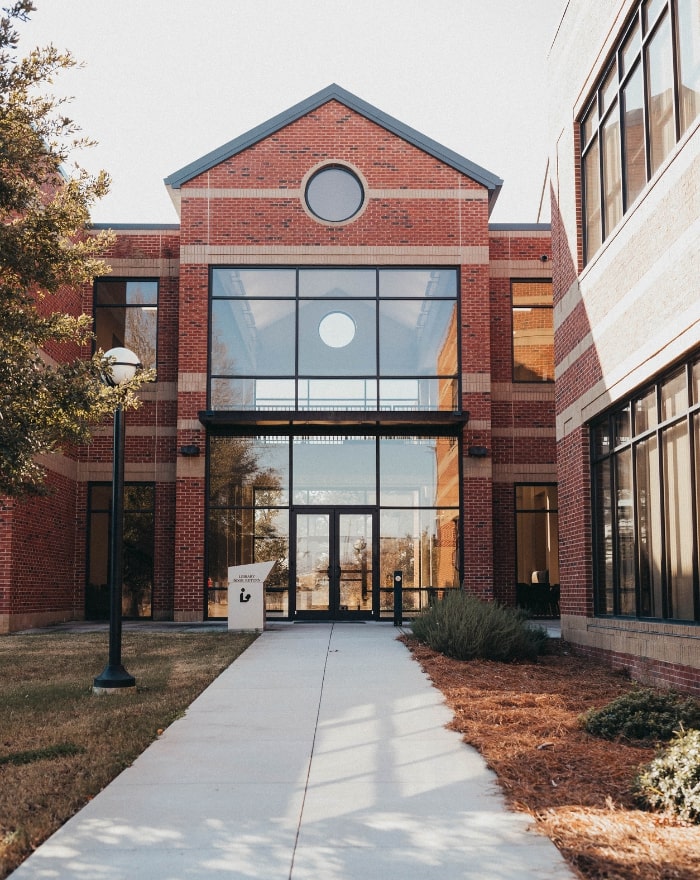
x,y
354,377
626,248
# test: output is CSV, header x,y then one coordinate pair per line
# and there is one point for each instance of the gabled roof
x,y
334,92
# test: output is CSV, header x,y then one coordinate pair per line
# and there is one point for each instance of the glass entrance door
x,y
335,576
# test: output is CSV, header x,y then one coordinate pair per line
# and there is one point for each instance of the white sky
x,y
166,81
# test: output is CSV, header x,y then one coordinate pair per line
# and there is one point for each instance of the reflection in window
x,y
613,135
533,331
645,504
126,315
334,339
138,553
255,484
537,548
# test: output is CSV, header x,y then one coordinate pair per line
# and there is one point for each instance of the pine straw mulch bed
x,y
523,718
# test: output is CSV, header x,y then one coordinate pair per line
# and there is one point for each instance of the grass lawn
x,y
60,744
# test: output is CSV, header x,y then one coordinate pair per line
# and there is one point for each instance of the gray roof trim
x,y
335,92
524,227
144,226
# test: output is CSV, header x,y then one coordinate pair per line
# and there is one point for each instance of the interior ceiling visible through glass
x,y
362,327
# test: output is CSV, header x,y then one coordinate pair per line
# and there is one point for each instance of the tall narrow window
x,y
138,550
533,331
126,314
537,541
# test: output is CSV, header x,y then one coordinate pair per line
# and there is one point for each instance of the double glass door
x,y
334,559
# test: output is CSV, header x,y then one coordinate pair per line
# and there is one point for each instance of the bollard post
x,y
398,598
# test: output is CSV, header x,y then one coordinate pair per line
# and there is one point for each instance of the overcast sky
x,y
166,81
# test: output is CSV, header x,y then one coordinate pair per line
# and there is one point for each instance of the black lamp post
x,y
114,678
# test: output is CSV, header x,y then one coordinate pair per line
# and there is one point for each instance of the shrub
x,y
671,783
643,714
465,628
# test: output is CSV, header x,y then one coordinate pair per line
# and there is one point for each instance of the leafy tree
x,y
49,395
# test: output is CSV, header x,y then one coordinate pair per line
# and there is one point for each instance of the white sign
x,y
246,596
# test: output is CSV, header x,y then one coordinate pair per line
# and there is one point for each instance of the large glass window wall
x,y
260,488
646,506
334,339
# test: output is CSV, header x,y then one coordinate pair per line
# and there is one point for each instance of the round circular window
x,y
334,194
337,329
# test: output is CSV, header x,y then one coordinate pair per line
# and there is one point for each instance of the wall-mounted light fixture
x,y
477,452
191,449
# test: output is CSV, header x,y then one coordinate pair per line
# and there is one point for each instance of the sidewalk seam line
x,y
311,756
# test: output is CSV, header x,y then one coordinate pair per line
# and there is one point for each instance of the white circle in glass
x,y
337,330
334,194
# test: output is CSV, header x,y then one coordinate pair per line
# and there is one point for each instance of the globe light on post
x,y
114,679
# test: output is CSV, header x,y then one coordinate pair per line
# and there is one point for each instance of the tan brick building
x,y
626,244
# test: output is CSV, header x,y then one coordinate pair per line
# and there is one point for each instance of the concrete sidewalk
x,y
320,754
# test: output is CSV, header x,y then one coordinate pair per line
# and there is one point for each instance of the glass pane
x,y
101,497
688,60
608,90
252,337
420,283
97,590
601,439
355,561
538,556
533,345
590,122
679,521
417,337
645,416
312,562
696,382
603,536
591,188
335,470
536,498
137,587
338,283
253,282
134,328
423,545
242,537
621,423
261,394
122,293
248,471
674,396
139,497
612,170
625,533
649,525
635,155
357,357
337,394
334,194
418,471
662,132
630,48
532,293
418,394
651,11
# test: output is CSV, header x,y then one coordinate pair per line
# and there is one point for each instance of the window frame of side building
x,y
645,504
618,156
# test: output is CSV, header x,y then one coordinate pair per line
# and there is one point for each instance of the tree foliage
x,y
49,395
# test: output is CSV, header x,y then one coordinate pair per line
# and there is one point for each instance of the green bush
x,y
671,783
643,714
465,628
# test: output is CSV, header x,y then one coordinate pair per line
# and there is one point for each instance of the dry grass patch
x,y
60,744
524,719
